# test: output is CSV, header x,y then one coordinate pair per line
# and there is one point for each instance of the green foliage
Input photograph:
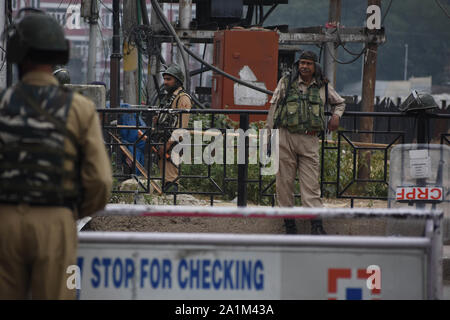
x,y
350,165
349,168
204,178
216,175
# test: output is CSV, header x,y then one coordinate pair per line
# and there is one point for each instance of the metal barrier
x,y
219,184
445,138
134,265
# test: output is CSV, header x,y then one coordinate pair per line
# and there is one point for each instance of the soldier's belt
x,y
71,205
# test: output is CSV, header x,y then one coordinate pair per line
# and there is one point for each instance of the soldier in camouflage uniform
x,y
299,116
176,98
53,165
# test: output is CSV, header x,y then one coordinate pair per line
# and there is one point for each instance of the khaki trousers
x,y
37,244
298,152
171,172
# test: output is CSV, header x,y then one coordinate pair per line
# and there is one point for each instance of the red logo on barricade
x,y
354,284
419,193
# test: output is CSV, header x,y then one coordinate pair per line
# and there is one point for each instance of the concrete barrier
x,y
135,265
96,93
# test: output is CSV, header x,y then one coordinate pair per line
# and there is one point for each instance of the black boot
x,y
171,187
317,227
291,227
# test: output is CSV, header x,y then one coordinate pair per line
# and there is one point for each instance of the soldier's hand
x,y
161,149
161,152
333,124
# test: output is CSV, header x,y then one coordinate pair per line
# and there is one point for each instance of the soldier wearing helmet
x,y
175,98
62,74
53,164
297,111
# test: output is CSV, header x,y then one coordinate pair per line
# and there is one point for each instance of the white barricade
x,y
135,265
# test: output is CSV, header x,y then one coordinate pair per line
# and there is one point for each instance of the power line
x,y
104,47
103,4
60,4
65,13
443,8
105,58
340,43
387,10
346,62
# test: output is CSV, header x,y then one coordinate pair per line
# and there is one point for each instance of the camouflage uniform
x,y
38,241
300,151
181,101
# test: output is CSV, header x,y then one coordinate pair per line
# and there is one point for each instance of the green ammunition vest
x,y
167,122
302,112
32,134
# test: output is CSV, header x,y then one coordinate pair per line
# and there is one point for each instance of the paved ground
x,y
238,225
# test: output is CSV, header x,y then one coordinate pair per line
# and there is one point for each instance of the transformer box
x,y
248,54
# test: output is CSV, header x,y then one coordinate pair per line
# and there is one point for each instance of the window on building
x,y
106,20
35,3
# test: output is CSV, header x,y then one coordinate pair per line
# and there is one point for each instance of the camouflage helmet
x,y
39,36
63,75
418,101
174,70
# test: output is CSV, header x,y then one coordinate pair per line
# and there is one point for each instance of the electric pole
x,y
154,65
334,18
130,63
329,63
3,67
405,74
89,11
369,78
368,97
185,13
185,16
9,70
115,57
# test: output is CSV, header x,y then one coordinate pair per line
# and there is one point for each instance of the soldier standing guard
x,y
53,164
176,98
297,110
